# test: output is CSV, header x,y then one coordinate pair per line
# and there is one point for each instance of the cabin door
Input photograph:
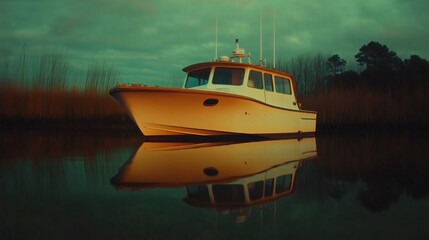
x,y
278,92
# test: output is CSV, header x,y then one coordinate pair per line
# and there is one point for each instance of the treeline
x,y
40,91
385,91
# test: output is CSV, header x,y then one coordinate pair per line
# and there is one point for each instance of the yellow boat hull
x,y
169,111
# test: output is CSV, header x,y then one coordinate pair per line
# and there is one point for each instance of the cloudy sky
x,y
150,41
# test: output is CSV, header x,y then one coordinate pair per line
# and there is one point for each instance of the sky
x,y
151,41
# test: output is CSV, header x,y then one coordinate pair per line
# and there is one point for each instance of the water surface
x,y
75,185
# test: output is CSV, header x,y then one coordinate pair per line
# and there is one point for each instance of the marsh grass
x,y
363,105
47,89
33,103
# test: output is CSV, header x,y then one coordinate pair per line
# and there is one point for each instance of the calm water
x,y
81,186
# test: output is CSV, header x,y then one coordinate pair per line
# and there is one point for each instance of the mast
x,y
216,39
260,39
274,40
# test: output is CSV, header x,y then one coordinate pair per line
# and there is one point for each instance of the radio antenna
x,y
260,39
216,39
274,40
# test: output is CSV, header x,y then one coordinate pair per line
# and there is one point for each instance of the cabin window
x,y
255,80
228,76
228,193
268,80
199,192
198,78
269,187
283,183
282,85
256,190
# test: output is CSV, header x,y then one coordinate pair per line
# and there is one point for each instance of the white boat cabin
x,y
265,85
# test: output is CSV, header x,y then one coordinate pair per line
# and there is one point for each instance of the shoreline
x,y
124,125
113,125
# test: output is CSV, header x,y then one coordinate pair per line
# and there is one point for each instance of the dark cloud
x,y
150,41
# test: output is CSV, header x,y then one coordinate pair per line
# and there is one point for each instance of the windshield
x,y
197,78
229,76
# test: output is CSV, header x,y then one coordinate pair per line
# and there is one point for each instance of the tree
x,y
344,79
416,65
336,65
416,71
378,57
310,71
382,65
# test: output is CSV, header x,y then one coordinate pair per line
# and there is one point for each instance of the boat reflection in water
x,y
221,175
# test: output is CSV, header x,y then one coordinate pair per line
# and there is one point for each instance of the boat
x,y
222,97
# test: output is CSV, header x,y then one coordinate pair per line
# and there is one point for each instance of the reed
x,y
39,104
363,105
44,89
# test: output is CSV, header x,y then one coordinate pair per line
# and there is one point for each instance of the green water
x,y
57,186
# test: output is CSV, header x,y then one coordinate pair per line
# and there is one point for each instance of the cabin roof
x,y
234,64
